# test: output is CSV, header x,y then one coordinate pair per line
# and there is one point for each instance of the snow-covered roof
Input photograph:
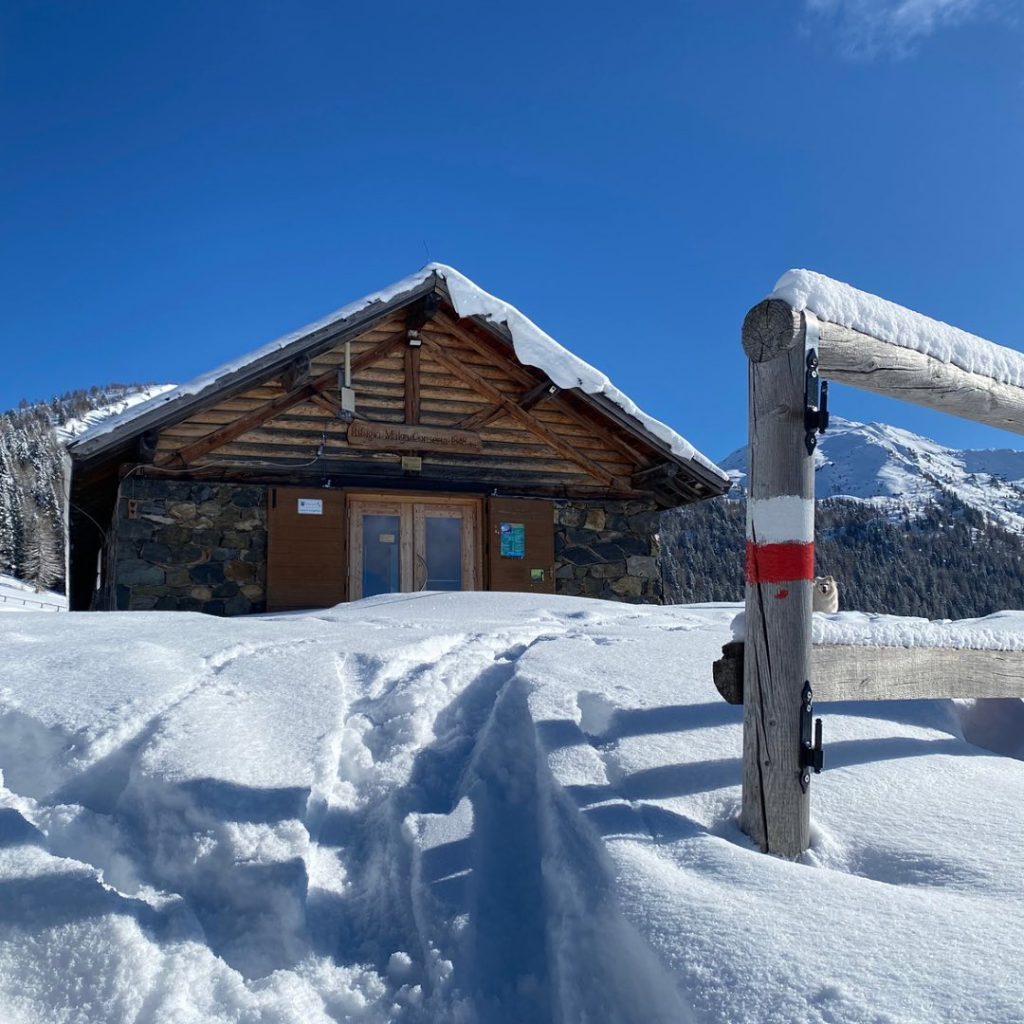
x,y
847,306
533,347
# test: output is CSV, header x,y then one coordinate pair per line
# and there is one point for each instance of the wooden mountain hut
x,y
426,437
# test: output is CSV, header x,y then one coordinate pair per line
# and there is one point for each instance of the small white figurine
x,y
826,594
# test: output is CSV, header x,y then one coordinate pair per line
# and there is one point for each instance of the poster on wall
x,y
513,540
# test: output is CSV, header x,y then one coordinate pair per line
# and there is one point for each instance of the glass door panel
x,y
442,554
405,544
382,554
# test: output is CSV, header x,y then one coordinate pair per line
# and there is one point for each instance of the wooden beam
x,y
849,672
412,383
322,401
420,312
545,389
484,387
351,469
540,393
188,454
780,523
874,364
592,420
655,475
296,374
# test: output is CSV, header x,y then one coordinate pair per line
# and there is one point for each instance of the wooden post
x,y
780,570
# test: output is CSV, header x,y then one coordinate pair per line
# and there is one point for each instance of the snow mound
x,y
487,808
533,347
843,304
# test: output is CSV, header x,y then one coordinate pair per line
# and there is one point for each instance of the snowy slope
x,y
17,596
896,468
488,808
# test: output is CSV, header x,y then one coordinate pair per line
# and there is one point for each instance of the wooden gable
x,y
423,373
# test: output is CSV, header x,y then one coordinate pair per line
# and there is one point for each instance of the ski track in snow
x,y
482,809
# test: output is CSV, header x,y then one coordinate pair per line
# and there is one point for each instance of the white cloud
x,y
868,28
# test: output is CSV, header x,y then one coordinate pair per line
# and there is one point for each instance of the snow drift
x,y
473,808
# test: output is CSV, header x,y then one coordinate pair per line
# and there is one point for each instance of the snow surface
x,y
843,304
18,596
1001,631
487,808
533,347
898,471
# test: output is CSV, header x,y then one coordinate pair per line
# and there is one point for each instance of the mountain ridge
x,y
906,525
897,470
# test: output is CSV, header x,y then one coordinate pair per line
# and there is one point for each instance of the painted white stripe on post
x,y
785,520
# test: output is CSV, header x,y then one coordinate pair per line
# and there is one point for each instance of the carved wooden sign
x,y
410,437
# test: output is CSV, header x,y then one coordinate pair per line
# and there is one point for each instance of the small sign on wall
x,y
513,540
311,507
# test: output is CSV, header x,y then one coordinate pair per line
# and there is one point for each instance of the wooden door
x,y
305,548
380,539
444,546
521,545
405,543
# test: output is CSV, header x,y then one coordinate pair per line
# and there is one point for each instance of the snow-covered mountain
x,y
900,471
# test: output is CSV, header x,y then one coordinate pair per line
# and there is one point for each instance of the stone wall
x,y
189,547
203,547
608,549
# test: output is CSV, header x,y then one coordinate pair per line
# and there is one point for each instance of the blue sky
x,y
183,181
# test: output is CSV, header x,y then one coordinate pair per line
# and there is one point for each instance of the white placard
x,y
311,507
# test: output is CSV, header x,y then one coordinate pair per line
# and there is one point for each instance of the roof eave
x,y
324,337
715,485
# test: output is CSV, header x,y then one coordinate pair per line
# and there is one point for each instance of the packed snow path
x,y
473,808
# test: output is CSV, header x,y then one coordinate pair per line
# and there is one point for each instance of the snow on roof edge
x,y
533,347
212,377
840,303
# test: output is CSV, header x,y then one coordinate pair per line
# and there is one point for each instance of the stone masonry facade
x,y
203,547
608,549
189,547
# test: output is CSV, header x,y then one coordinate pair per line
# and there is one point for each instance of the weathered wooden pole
x,y
780,570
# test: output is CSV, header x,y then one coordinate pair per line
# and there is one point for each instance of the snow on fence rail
x,y
813,328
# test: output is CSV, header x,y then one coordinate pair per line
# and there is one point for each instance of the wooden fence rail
x,y
789,352
854,672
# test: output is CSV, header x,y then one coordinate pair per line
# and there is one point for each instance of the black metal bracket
x,y
815,405
812,757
